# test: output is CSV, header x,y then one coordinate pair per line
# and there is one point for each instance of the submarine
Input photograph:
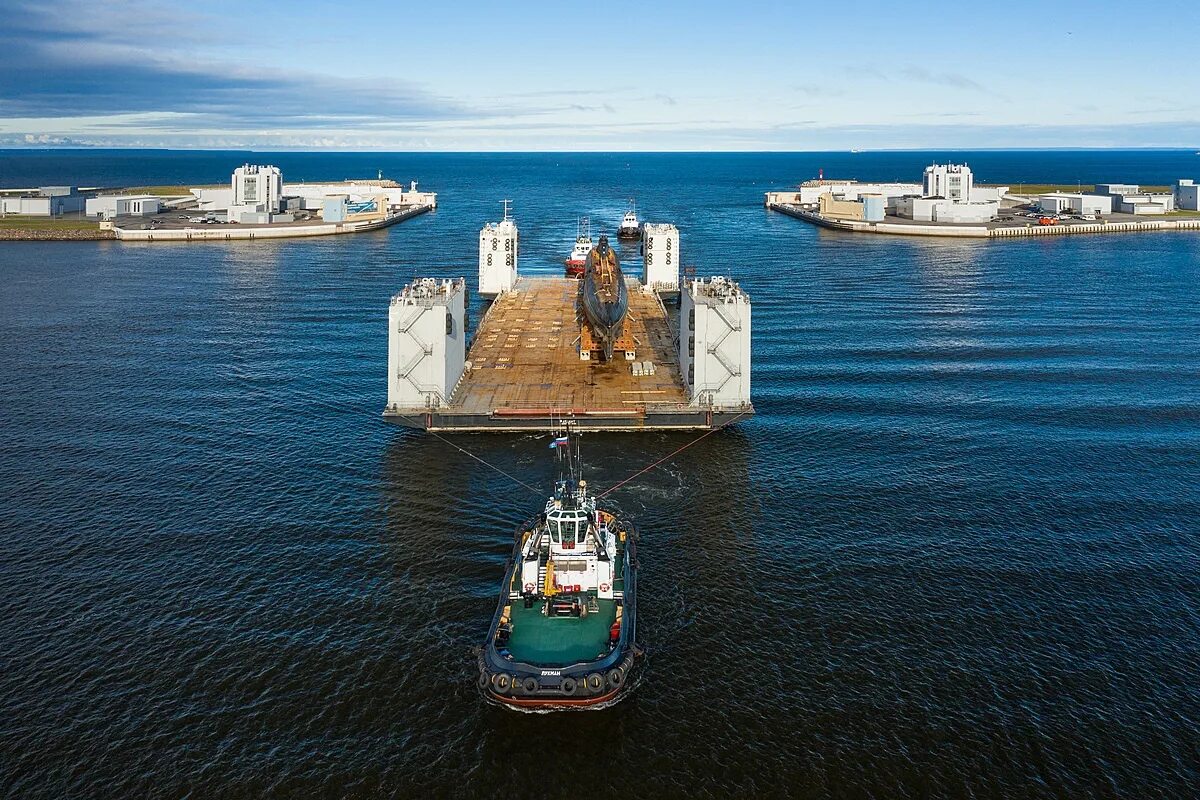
x,y
604,296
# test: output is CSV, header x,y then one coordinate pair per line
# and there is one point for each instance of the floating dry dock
x,y
525,370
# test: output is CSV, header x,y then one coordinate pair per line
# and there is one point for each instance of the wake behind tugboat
x,y
565,625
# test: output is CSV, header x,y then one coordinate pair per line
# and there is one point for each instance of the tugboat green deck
x,y
559,641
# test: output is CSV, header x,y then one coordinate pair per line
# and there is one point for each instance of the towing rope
x,y
465,452
670,455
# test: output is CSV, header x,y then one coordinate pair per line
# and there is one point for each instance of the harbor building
x,y
1128,198
108,206
45,201
809,192
947,193
1077,203
1187,195
257,193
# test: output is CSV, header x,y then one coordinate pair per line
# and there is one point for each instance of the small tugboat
x,y
563,634
577,261
630,227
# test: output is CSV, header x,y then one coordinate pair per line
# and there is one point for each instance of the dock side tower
x,y
427,341
714,343
660,257
498,250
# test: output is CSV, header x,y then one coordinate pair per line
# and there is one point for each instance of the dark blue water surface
x,y
956,553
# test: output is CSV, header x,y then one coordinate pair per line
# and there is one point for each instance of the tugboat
x,y
577,261
563,634
604,296
630,227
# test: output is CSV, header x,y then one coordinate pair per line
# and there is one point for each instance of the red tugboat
x,y
576,263
564,631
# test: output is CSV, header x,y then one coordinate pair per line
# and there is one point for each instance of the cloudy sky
x,y
612,76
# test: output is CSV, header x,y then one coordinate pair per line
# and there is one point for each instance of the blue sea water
x,y
955,554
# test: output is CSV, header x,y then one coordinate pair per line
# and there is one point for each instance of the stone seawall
x,y
52,235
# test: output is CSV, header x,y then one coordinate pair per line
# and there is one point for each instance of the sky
x,y
618,75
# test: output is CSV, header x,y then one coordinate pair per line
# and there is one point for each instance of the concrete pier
x,y
184,232
999,230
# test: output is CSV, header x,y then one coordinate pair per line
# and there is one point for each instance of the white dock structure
x,y
714,343
660,248
499,244
427,343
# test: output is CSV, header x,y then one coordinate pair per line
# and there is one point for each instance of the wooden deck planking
x,y
525,355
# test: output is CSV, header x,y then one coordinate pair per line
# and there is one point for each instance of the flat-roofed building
x,y
1187,195
108,206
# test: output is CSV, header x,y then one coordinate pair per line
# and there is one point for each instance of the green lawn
x,y
168,191
47,224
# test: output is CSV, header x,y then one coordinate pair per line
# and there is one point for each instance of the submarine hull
x,y
604,296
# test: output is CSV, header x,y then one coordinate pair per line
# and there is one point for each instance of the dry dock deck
x,y
524,371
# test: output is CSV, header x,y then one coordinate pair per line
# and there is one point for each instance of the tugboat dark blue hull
x,y
509,676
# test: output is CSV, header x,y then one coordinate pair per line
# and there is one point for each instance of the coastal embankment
x,y
25,229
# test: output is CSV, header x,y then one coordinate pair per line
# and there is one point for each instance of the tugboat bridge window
x,y
567,529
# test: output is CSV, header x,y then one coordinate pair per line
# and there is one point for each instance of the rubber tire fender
x,y
484,679
595,682
568,686
501,683
530,685
616,676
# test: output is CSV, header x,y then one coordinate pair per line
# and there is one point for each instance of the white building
x,y
255,185
1128,198
1146,203
122,205
1187,195
939,209
1117,189
312,195
1063,202
949,181
256,189
809,192
46,201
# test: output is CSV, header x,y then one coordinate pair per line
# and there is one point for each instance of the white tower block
x,y
426,342
714,342
660,249
498,243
